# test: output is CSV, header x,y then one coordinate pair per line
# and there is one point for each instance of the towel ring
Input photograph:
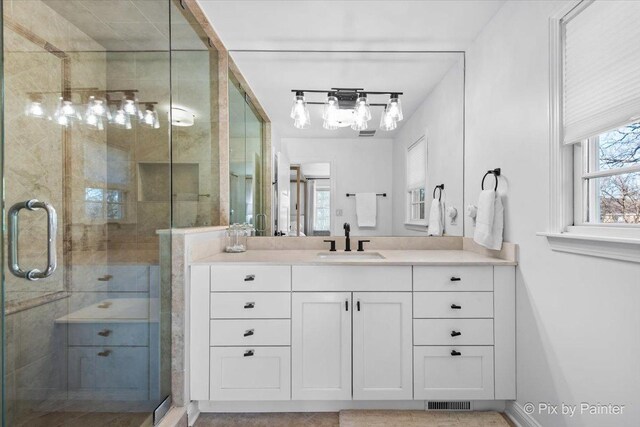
x,y
496,173
440,187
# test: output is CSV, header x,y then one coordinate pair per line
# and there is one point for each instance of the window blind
x,y
601,67
417,164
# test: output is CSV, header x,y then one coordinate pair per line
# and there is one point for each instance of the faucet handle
x,y
333,245
347,227
361,244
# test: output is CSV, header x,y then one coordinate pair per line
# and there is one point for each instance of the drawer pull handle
x,y
358,305
105,304
249,277
249,305
455,333
104,353
455,279
455,307
248,332
105,332
248,353
346,305
455,353
105,278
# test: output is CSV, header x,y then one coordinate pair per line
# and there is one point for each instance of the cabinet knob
x,y
455,279
455,333
105,332
248,332
455,353
249,305
248,353
249,277
455,307
104,353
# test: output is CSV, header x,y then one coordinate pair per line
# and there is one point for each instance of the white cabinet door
x,y
382,362
453,373
321,346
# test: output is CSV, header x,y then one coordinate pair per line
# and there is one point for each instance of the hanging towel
x,y
490,220
436,226
366,209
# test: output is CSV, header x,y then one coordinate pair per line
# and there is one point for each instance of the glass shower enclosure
x,y
109,137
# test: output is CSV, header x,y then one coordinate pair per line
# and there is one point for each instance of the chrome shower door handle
x,y
263,222
52,226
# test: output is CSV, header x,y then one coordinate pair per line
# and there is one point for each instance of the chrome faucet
x,y
347,241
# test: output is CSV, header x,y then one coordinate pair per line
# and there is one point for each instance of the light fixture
x,y
387,122
394,107
98,107
347,107
182,117
363,112
35,107
150,117
300,112
66,112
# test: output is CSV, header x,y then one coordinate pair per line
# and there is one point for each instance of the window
x,y
104,204
416,182
595,130
608,179
322,217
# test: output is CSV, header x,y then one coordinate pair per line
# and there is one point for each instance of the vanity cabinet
x,y
383,332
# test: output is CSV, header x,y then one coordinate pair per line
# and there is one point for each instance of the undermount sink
x,y
349,255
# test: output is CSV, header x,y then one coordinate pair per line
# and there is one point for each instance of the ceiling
x,y
272,76
130,25
349,25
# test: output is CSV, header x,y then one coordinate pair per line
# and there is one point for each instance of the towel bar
x,y
377,194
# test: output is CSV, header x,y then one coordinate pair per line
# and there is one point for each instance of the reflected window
x,y
104,203
322,217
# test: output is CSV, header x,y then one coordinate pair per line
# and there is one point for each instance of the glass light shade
x,y
66,112
150,118
121,119
98,107
303,121
299,107
387,122
35,109
331,108
359,123
94,121
129,105
394,108
363,112
330,124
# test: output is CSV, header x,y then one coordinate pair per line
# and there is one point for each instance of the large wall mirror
x,y
335,162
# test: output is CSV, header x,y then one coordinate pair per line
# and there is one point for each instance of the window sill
x,y
416,226
586,241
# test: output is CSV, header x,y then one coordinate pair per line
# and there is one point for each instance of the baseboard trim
x,y
206,406
193,412
519,416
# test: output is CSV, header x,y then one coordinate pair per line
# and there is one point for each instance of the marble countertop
x,y
391,257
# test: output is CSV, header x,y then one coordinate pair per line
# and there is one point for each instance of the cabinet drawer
x,y
250,332
250,278
109,334
453,332
439,375
347,278
453,278
251,305
443,304
248,373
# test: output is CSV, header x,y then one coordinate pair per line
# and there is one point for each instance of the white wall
x,y
578,319
441,120
357,165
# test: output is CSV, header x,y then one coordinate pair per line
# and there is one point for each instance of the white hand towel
x,y
366,209
490,220
436,227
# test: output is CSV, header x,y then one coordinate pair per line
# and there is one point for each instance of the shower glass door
x,y
87,203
